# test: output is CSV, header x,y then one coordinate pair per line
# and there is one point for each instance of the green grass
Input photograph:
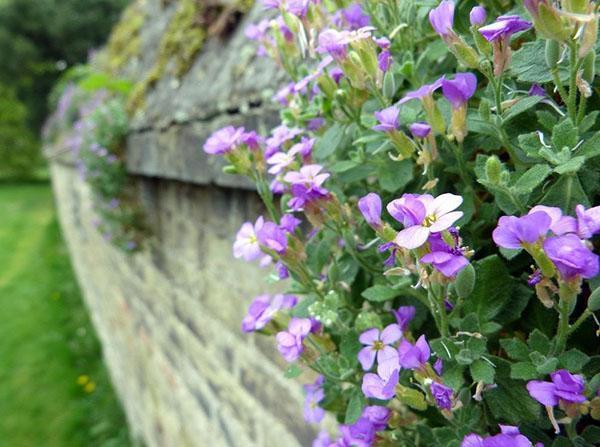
x,y
54,389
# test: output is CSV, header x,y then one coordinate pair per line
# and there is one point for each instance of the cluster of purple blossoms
x,y
313,413
306,186
362,433
290,342
509,436
229,138
561,237
263,308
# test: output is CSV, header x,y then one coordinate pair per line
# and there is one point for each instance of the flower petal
x,y
391,334
543,392
369,336
444,203
366,357
445,221
412,237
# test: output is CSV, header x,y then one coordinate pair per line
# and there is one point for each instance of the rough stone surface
x,y
169,316
169,319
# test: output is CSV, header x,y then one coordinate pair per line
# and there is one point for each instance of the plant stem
x,y
573,66
581,112
561,89
584,316
562,331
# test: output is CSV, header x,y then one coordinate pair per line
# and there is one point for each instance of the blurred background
x,y
54,387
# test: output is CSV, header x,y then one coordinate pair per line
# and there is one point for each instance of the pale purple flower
x,y
384,60
280,161
282,271
442,394
404,315
414,356
564,386
477,16
304,147
370,208
283,94
448,260
459,90
535,278
355,17
380,386
588,221
246,243
271,236
422,215
279,136
272,4
313,413
334,43
289,223
263,308
316,123
306,185
378,345
336,74
257,31
298,7
391,247
377,415
571,256
420,129
359,434
388,119
513,231
442,18
423,91
383,42
504,27
322,440
509,436
559,224
223,140
289,343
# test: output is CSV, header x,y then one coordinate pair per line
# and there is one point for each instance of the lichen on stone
x,y
124,42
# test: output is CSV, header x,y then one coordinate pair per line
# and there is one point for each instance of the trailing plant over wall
x,y
90,120
463,313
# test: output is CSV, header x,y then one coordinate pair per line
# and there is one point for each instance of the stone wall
x,y
169,316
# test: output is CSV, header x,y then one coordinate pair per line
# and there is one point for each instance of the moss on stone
x,y
124,42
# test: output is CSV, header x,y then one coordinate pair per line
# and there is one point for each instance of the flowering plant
x,y
463,314
90,121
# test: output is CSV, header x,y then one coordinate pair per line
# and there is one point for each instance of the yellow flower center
x,y
378,345
429,220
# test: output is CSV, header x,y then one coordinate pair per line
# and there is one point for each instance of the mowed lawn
x,y
54,389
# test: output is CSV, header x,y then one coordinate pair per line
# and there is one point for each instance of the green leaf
x,y
490,327
573,360
482,371
465,357
379,293
548,366
395,175
492,289
532,178
566,193
465,281
594,300
292,371
515,348
453,376
529,64
564,134
355,407
520,106
530,143
590,147
570,167
591,434
538,341
588,122
350,346
329,142
523,371
444,348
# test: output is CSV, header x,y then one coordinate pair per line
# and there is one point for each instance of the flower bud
x,y
493,169
477,16
552,53
576,6
589,38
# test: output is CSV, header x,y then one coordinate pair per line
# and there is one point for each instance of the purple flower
x,y
537,90
355,16
442,395
588,221
438,366
477,16
504,27
271,236
414,356
512,231
289,223
359,434
306,185
377,415
509,436
263,308
449,263
380,386
422,215
271,4
459,90
298,7
420,129
223,140
378,345
388,119
370,208
289,343
322,440
336,74
565,387
423,91
334,43
280,135
384,60
404,315
257,31
313,414
559,224
571,256
246,243
280,161
316,123
442,19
